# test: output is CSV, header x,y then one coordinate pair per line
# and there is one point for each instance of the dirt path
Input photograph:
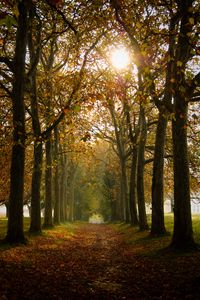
x,y
94,262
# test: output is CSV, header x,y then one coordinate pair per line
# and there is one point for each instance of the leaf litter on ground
x,y
97,261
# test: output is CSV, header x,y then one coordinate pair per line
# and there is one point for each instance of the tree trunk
x,y
62,187
35,225
62,206
133,189
158,222
7,209
183,233
140,173
71,198
56,181
65,189
48,220
15,232
124,191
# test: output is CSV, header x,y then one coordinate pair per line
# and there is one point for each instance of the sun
x,y
120,58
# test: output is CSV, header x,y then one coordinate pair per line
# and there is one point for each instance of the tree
x,y
183,233
15,221
56,178
34,45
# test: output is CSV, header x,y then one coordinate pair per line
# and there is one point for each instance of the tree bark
x,y
65,191
183,233
124,191
71,198
119,135
56,180
62,186
48,220
35,225
143,225
158,222
7,209
15,232
133,189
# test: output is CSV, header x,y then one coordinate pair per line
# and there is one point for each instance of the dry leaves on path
x,y
95,262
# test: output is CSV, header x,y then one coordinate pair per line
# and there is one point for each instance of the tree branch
x,y
6,89
69,24
76,87
194,84
8,62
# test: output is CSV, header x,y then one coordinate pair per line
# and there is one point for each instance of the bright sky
x,y
120,58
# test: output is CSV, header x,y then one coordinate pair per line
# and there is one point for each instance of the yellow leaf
x,y
138,25
15,10
191,21
179,63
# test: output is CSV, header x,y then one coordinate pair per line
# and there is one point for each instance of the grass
x,y
146,244
50,231
132,235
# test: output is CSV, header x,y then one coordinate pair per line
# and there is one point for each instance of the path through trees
x,y
92,261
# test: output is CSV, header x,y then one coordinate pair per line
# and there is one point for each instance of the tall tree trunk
x,y
113,208
61,195
71,198
183,233
65,190
35,225
122,210
48,220
140,173
62,186
158,222
56,180
124,191
133,188
119,135
15,232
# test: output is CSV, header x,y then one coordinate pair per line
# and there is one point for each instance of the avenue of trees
x,y
78,135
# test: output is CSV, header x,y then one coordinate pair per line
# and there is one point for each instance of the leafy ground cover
x,y
97,261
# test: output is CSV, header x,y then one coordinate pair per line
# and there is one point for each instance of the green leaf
x,y
76,108
8,21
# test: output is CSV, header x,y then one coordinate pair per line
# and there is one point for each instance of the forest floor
x,y
97,261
